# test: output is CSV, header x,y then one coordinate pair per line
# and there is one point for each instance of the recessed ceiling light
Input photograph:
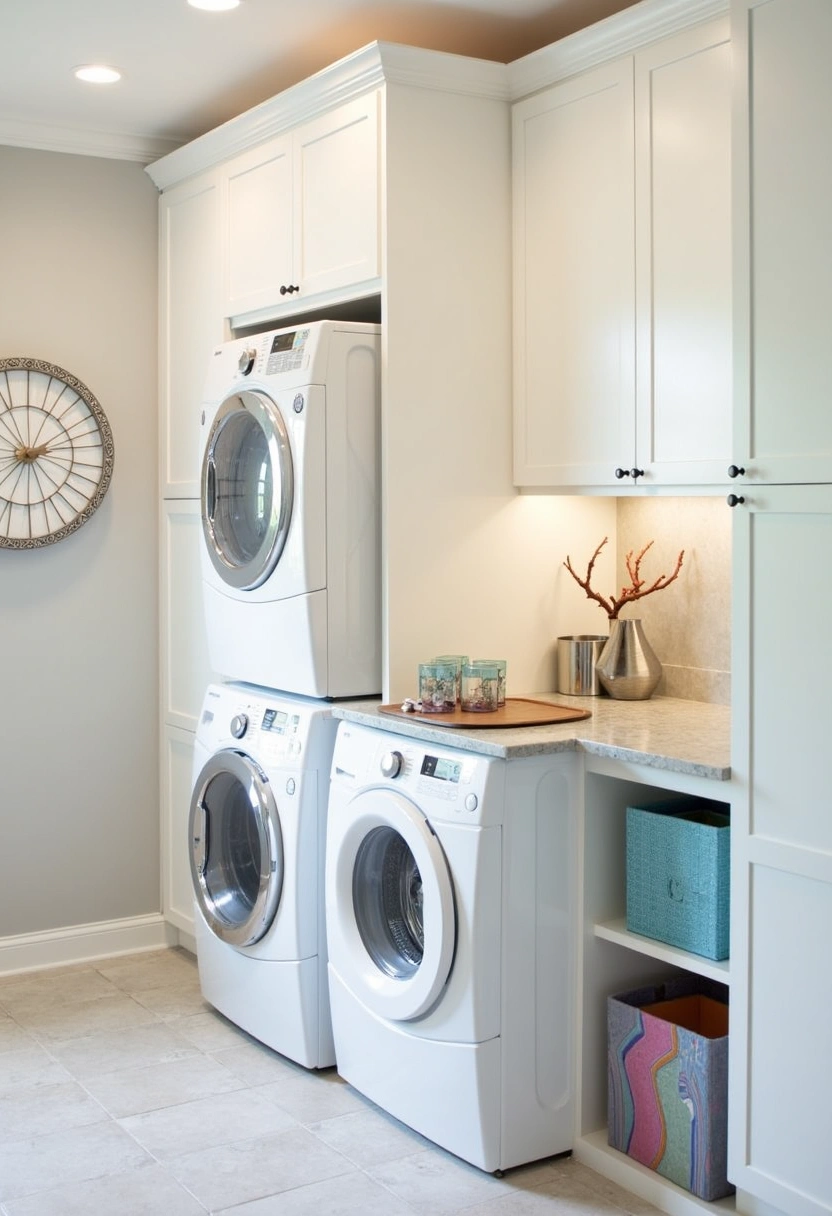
x,y
97,73
214,6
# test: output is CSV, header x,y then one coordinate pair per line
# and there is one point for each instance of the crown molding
x,y
109,144
370,67
620,34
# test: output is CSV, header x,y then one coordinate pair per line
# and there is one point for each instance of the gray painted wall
x,y
78,638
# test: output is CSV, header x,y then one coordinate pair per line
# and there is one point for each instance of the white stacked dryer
x,y
450,902
256,834
290,509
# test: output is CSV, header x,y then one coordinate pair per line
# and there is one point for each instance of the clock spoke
x,y
16,472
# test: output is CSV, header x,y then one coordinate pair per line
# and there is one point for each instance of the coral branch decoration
x,y
637,589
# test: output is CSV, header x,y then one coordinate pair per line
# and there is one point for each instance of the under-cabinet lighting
x,y
214,6
97,73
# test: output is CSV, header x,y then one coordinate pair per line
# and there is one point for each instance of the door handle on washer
x,y
200,842
211,490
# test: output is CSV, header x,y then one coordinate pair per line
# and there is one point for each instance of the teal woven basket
x,y
678,875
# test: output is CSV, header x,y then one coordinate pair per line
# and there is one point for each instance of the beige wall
x,y
78,679
687,624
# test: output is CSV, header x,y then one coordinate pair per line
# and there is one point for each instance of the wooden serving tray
x,y
517,711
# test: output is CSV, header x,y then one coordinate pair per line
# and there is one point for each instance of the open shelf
x,y
594,1151
616,931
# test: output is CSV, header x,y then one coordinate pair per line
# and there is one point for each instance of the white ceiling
x,y
186,71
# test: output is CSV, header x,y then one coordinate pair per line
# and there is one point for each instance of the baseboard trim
x,y
85,943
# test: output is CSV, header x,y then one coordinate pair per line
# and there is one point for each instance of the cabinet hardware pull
x,y
636,473
284,290
734,500
622,473
735,471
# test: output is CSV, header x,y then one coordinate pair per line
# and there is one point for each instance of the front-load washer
x,y
256,833
290,550
450,919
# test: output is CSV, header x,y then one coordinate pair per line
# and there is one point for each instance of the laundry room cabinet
x,y
301,213
782,183
622,270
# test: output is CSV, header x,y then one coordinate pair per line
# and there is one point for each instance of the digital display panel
x,y
283,342
441,769
275,721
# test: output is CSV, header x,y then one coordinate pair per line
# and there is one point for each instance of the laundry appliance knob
x,y
239,725
246,361
391,764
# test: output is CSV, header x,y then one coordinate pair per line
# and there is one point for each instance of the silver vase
x,y
627,666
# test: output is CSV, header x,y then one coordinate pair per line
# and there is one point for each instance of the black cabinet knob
x,y
622,473
735,470
636,473
734,500
288,290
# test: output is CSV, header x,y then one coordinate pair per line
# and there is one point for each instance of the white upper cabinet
x,y
302,213
190,325
683,258
783,248
574,280
622,228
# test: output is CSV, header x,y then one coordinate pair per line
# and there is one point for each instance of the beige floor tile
x,y
253,1169
352,1195
207,1123
210,1031
434,1182
56,1023
32,1066
146,1191
13,1037
312,1097
174,1001
40,990
368,1137
59,1158
134,1091
113,1049
36,1110
253,1063
141,972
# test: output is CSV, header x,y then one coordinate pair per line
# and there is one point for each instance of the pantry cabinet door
x,y
683,257
190,323
574,281
185,668
258,225
177,783
783,132
336,201
781,843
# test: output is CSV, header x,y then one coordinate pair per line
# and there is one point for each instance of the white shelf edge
x,y
594,1151
617,931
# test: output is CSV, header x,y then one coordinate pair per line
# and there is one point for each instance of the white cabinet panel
x,y
574,294
191,323
177,888
781,846
258,221
184,660
683,257
784,253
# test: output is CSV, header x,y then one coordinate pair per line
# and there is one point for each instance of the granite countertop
x,y
665,733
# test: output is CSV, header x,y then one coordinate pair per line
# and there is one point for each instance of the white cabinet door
x,y
337,189
683,257
574,281
258,223
185,670
781,844
783,248
177,887
302,215
191,323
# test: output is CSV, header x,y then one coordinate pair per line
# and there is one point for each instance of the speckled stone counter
x,y
663,733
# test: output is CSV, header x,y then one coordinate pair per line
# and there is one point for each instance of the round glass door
x,y
247,489
236,849
394,931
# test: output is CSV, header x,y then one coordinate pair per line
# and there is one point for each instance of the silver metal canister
x,y
576,659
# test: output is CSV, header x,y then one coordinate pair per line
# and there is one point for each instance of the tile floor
x,y
122,1092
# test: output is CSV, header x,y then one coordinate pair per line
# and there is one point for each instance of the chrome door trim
x,y
264,808
249,575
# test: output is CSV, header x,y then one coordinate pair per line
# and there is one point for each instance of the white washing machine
x,y
450,921
290,509
256,830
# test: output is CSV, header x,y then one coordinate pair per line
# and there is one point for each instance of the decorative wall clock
x,y
56,453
